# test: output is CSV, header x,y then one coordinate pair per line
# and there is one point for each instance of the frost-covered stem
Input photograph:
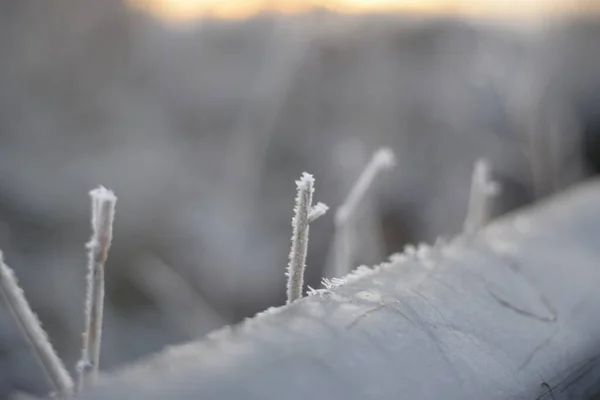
x,y
32,329
382,160
103,211
300,225
483,191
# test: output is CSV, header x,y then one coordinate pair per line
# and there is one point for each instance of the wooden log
x,y
510,313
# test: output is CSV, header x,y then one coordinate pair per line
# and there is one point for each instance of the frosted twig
x,y
382,160
483,190
318,210
103,211
300,223
31,327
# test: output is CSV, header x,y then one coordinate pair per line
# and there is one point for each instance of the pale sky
x,y
191,9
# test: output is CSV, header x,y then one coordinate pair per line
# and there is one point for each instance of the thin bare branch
x,y
382,160
483,191
304,214
103,211
32,329
300,224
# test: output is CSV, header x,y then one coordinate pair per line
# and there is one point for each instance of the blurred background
x,y
201,114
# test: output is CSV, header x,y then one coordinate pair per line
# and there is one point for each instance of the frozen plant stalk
x,y
382,160
103,211
31,327
483,191
305,213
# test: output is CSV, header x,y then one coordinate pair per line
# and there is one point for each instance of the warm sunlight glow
x,y
182,10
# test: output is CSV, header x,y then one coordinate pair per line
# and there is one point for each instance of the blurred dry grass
x,y
201,130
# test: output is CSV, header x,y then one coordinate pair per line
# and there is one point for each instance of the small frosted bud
x,y
317,211
384,158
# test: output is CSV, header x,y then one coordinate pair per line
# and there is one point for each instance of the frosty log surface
x,y
512,313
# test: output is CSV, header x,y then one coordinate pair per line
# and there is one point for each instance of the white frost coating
x,y
483,190
220,332
502,246
32,329
332,283
522,224
300,225
398,258
382,160
423,254
317,211
385,158
103,212
371,296
410,250
267,312
423,251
